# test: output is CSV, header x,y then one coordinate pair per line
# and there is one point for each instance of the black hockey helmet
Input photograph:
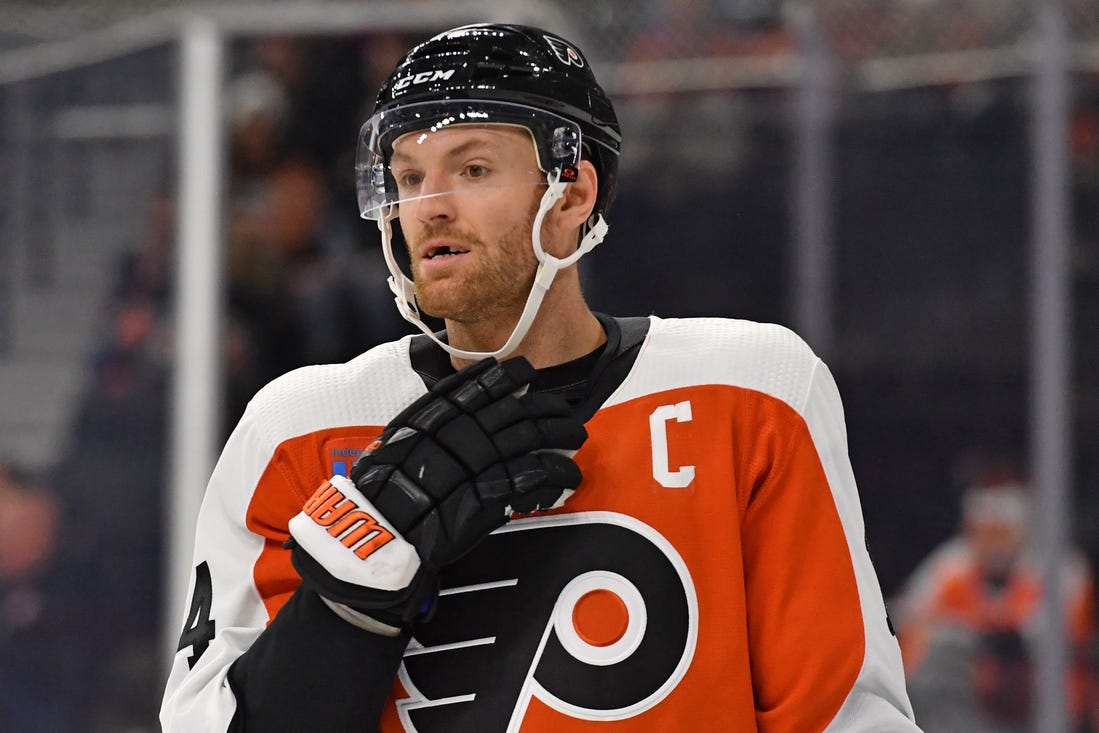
x,y
487,73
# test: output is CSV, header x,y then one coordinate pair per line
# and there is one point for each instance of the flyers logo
x,y
592,614
565,53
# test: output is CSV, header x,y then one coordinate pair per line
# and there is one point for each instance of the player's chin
x,y
443,301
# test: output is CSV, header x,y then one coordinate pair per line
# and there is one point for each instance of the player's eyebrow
x,y
456,152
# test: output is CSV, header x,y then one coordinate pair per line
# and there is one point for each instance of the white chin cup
x,y
404,290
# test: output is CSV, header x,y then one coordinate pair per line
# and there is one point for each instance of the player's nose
x,y
436,201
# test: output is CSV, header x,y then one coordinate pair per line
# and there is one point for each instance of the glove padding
x,y
449,469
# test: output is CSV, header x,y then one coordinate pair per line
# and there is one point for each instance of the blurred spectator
x,y
96,638
301,288
36,685
111,476
967,620
318,77
28,528
276,201
275,198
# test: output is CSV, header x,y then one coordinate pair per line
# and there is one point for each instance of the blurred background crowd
x,y
930,183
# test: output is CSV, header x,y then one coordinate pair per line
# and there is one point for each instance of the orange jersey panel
x,y
298,467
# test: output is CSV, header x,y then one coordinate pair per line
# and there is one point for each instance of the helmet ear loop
x,y
554,193
594,232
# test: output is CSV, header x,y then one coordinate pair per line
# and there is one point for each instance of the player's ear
x,y
579,199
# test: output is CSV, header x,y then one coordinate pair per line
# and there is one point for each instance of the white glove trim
x,y
342,531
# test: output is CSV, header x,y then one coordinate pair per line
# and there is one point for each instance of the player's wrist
x,y
396,608
362,620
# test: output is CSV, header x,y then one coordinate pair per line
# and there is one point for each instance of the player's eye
x,y
476,171
409,179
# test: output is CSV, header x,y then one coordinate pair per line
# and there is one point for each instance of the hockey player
x,y
543,519
970,613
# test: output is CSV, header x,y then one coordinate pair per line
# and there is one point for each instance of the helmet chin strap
x,y
404,290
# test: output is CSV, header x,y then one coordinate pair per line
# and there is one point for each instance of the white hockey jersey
x,y
709,574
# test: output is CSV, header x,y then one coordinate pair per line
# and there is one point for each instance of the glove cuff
x,y
361,620
398,609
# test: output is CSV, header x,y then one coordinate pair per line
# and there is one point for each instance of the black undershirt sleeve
x,y
312,671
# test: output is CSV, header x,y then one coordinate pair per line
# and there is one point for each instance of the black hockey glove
x,y
449,469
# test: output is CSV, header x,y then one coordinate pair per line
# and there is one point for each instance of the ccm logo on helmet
x,y
422,78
